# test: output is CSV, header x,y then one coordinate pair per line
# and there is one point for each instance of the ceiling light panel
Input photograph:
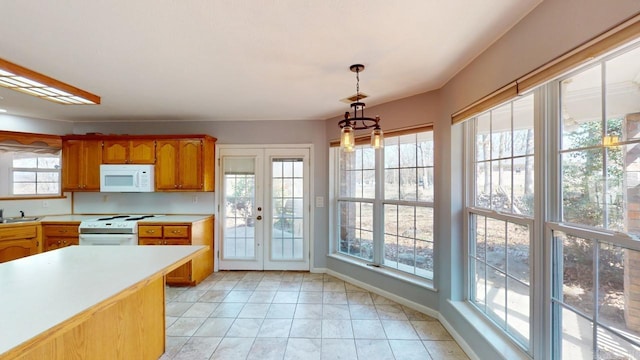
x,y
27,81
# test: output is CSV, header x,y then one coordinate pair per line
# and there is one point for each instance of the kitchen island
x,y
87,302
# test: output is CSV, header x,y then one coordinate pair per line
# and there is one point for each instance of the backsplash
x,y
144,203
36,207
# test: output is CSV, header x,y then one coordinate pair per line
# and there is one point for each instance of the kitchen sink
x,y
19,219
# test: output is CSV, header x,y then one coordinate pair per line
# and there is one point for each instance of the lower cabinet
x,y
192,233
59,235
18,241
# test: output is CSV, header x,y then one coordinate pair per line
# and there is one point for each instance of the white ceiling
x,y
242,59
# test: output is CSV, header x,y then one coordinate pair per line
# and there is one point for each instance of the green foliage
x,y
584,176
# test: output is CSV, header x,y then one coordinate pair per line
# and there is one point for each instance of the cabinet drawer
x,y
51,243
176,231
150,241
18,232
60,230
149,231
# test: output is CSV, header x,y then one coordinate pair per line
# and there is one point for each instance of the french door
x,y
264,209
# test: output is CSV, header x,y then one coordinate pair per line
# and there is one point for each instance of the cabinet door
x,y
142,152
15,249
92,158
180,276
71,164
190,165
167,164
115,152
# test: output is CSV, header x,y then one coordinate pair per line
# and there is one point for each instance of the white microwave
x,y
127,178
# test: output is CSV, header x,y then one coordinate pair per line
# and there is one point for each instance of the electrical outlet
x,y
45,203
105,198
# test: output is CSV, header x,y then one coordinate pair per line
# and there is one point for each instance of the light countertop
x,y
158,218
40,291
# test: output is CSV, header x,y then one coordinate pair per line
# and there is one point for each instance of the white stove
x,y
111,230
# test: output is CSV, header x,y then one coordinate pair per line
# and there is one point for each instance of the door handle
x,y
259,217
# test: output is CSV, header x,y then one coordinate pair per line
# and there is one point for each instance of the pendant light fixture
x,y
358,121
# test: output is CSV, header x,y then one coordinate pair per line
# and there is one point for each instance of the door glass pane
x,y
287,224
239,228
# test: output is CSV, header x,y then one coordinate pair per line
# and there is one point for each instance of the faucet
x,y
21,213
1,218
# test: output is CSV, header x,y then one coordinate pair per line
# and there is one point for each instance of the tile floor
x,y
296,315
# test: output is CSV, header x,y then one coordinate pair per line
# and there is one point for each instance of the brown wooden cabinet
x,y
182,162
193,233
17,241
81,161
185,164
131,151
59,235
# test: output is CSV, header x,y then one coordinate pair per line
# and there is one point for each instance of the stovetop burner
x,y
113,217
138,218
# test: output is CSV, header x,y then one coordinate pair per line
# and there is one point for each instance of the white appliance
x,y
127,178
110,230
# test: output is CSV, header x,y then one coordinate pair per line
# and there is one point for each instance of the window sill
x,y
31,197
408,278
492,336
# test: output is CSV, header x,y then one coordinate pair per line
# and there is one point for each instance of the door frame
x,y
219,196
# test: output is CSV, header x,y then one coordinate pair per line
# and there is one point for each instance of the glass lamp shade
x,y
377,139
610,140
347,141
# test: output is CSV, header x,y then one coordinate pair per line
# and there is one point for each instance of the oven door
x,y
108,239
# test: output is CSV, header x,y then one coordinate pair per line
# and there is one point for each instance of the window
x,y
577,212
595,299
501,216
355,202
408,204
29,165
385,204
35,174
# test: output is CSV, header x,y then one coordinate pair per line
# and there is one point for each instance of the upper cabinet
x,y
185,164
81,161
182,162
133,151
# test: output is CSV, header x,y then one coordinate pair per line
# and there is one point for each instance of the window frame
x,y
36,170
548,213
377,202
531,221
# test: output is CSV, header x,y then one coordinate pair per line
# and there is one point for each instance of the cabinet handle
x,y
150,231
63,231
175,231
58,242
64,241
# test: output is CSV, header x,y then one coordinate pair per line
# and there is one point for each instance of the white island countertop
x,y
41,291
